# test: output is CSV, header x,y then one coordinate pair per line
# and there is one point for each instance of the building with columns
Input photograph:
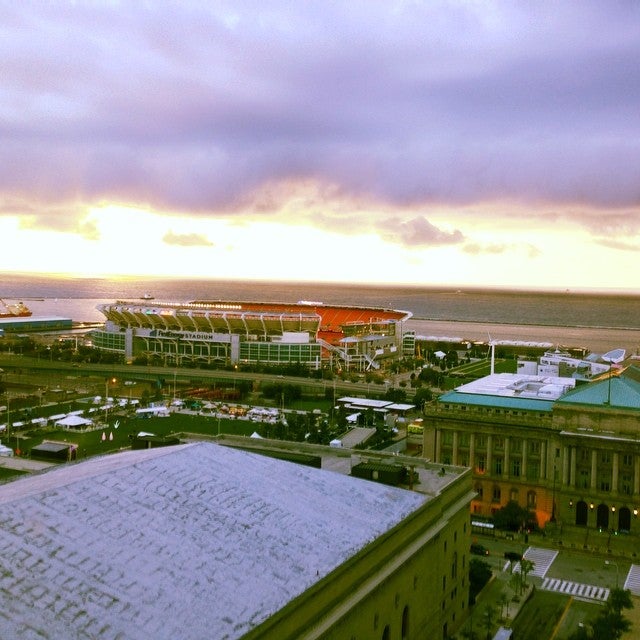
x,y
570,453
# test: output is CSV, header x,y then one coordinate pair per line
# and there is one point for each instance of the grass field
x,y
10,474
540,616
91,443
552,616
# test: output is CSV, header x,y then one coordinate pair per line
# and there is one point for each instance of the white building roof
x,y
197,541
518,385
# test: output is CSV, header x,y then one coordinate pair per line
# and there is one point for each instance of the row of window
x,y
533,448
514,494
495,411
480,442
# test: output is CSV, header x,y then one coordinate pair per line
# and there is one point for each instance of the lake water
x,y
599,322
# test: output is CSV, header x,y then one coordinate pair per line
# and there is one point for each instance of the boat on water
x,y
147,296
14,310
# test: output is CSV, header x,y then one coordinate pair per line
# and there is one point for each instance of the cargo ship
x,y
14,310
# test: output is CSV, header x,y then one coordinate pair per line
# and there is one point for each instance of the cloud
x,y
619,245
191,106
475,249
58,218
187,240
417,232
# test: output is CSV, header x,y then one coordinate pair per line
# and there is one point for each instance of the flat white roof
x,y
519,385
197,541
364,402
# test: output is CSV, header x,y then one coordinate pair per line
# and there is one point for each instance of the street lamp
x,y
615,564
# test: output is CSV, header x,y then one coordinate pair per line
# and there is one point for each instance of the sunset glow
x,y
449,143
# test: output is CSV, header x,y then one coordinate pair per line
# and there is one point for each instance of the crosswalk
x,y
632,581
542,559
576,589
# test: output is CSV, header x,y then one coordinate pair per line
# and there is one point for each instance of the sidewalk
x,y
589,540
24,464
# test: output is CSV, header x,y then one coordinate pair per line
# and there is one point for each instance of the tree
x,y
609,624
503,600
487,619
422,396
526,567
512,517
515,582
479,575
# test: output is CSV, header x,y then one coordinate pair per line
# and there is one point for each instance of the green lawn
x,y
540,616
91,443
552,616
10,474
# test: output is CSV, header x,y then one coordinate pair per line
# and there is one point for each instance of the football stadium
x,y
204,332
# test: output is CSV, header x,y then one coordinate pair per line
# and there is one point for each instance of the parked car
x,y
479,550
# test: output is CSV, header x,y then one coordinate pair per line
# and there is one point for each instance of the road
x,y
13,362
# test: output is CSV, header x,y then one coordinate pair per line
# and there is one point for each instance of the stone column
x,y
454,456
594,468
506,471
572,471
523,469
565,466
472,451
615,472
490,455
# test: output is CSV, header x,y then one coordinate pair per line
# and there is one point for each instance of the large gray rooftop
x,y
192,541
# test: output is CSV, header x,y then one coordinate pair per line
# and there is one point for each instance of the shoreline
x,y
594,339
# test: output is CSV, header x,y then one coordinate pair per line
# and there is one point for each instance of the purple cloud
x,y
192,107
417,232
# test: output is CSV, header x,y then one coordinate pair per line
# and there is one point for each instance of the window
x,y
496,494
481,462
584,479
481,442
405,623
513,495
605,457
533,470
531,499
516,445
447,437
515,467
497,466
533,447
498,443
627,460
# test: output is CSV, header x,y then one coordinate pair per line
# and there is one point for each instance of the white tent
x,y
73,422
5,451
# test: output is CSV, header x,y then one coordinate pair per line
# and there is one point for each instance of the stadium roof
x,y
195,540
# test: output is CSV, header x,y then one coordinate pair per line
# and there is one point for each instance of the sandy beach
x,y
593,339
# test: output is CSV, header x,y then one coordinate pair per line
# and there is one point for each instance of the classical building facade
x,y
569,453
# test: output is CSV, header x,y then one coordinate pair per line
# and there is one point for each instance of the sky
x,y
472,143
